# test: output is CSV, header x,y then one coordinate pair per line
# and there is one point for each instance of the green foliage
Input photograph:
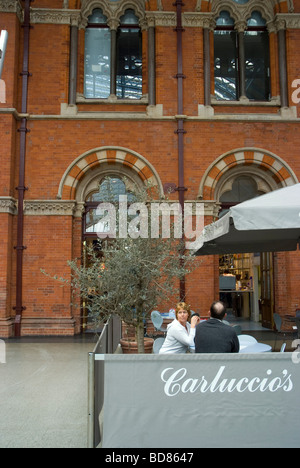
x,y
130,277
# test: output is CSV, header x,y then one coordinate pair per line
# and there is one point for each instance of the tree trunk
x,y
140,337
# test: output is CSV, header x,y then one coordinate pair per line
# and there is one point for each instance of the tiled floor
x,y
247,325
43,393
264,335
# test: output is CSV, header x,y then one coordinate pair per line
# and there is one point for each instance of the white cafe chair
x,y
157,345
157,321
282,349
246,339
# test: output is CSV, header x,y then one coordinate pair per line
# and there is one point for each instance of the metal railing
x,y
107,344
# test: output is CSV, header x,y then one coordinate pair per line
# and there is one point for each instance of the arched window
x,y
243,187
129,57
226,58
113,58
242,59
110,189
97,56
257,59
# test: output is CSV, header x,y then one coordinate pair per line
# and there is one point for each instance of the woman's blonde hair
x,y
184,306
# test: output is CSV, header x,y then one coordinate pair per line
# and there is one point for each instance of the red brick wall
x,y
49,64
6,279
49,246
8,132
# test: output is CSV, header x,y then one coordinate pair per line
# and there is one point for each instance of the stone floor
x,y
43,392
44,388
264,335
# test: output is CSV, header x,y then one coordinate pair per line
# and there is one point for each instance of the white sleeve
x,y
181,335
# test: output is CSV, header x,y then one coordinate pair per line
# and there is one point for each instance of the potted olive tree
x,y
130,274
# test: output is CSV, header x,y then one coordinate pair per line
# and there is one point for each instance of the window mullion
x,y
151,66
73,64
113,65
241,66
206,54
283,67
113,25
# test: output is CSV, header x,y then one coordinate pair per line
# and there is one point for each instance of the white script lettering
x,y
177,381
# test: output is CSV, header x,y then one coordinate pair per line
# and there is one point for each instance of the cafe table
x,y
246,340
255,348
251,348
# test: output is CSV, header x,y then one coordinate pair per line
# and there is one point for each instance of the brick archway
x,y
265,162
105,155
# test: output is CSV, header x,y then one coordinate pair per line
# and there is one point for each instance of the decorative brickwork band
x,y
106,155
269,164
277,6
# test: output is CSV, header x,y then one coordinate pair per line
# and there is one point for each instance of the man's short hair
x,y
217,310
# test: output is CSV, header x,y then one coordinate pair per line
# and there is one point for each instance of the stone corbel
x,y
8,205
280,24
113,23
204,207
79,209
240,26
212,208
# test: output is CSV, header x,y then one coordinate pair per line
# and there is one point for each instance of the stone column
x,y
281,28
151,66
240,27
207,70
73,64
113,25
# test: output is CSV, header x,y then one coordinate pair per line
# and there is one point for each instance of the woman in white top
x,y
180,333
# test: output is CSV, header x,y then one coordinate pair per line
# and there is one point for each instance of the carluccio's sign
x,y
201,400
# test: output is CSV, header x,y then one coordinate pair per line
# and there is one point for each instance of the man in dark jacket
x,y
214,336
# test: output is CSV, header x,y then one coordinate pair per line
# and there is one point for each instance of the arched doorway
x,y
234,177
252,283
83,182
109,186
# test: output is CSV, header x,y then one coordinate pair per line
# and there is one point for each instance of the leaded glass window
x,y
109,191
241,60
129,57
97,57
226,58
113,66
257,58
